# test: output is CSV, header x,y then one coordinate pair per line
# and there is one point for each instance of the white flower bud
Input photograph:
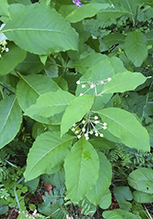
x,y
109,79
101,135
83,129
78,82
81,94
97,121
83,121
102,82
92,86
91,132
7,49
86,134
83,86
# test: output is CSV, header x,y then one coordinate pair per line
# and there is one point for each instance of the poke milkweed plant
x,y
54,71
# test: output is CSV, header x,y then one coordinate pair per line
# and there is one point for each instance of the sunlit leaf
x,y
81,169
47,151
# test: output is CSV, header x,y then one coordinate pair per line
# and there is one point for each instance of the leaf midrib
x,y
7,117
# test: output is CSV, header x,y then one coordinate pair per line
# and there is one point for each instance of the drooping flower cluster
x,y
3,47
89,125
92,85
3,42
77,3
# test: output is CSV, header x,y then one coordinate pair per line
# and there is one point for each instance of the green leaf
x,y
141,180
32,86
50,103
81,169
142,197
114,38
75,111
112,13
122,195
118,214
3,208
44,30
15,55
103,182
125,126
136,47
47,151
30,65
11,118
85,11
124,81
101,143
4,8
106,200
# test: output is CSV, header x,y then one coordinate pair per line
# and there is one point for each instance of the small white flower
x,y
109,79
7,49
102,82
91,132
86,134
104,124
97,121
83,121
96,133
81,94
87,138
78,82
96,117
92,86
83,129
83,86
101,135
104,127
76,132
79,136
74,125
73,129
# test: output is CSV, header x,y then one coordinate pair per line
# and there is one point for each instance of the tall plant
x,y
58,68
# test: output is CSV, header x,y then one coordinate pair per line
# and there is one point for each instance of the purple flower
x,y
77,2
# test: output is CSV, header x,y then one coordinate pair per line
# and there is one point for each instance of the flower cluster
x,y
92,85
3,47
3,42
89,126
77,3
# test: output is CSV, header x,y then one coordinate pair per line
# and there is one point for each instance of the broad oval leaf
x,y
142,197
141,180
118,214
4,8
136,47
125,126
43,29
30,88
124,81
11,118
47,151
104,180
81,169
15,55
50,103
85,11
75,111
